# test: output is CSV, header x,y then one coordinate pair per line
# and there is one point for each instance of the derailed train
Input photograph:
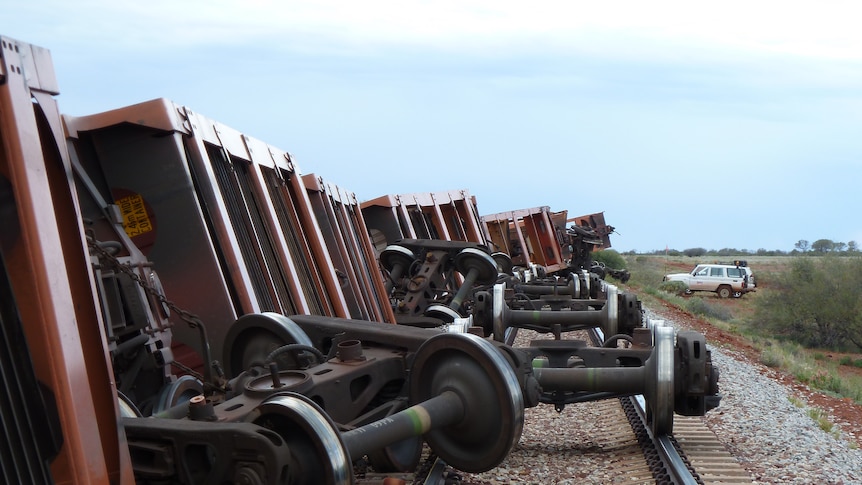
x,y
179,304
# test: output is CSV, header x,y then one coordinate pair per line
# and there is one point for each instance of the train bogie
x,y
181,304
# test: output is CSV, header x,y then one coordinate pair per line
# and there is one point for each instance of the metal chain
x,y
188,370
190,318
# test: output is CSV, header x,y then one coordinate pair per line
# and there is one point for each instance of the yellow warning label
x,y
136,221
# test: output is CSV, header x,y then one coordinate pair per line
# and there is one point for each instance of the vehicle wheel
x,y
688,291
737,294
724,291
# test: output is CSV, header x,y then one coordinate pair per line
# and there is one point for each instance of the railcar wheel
x,y
504,262
442,312
127,407
255,335
488,313
317,453
498,309
394,255
652,325
612,308
660,378
585,280
178,392
478,373
574,285
473,259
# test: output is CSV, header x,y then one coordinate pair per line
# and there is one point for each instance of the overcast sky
x,y
733,124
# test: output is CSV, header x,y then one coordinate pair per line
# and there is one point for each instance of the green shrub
x,y
610,258
816,303
771,358
827,381
820,417
673,287
802,373
699,306
846,360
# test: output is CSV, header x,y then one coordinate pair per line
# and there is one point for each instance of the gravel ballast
x,y
773,438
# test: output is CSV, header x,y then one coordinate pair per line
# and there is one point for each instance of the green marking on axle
x,y
592,377
419,418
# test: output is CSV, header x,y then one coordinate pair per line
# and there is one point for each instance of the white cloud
x,y
754,89
667,29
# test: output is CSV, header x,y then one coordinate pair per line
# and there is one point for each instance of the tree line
x,y
802,247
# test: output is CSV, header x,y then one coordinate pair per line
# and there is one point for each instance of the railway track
x,y
691,455
706,455
596,443
604,441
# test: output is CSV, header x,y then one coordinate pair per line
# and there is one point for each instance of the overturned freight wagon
x,y
227,220
125,229
538,239
445,215
86,316
350,247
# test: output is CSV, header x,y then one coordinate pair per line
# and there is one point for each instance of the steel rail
x,y
674,464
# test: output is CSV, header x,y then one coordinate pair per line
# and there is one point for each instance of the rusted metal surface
x,y
51,281
162,223
225,218
539,238
350,249
340,409
528,236
449,215
596,222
